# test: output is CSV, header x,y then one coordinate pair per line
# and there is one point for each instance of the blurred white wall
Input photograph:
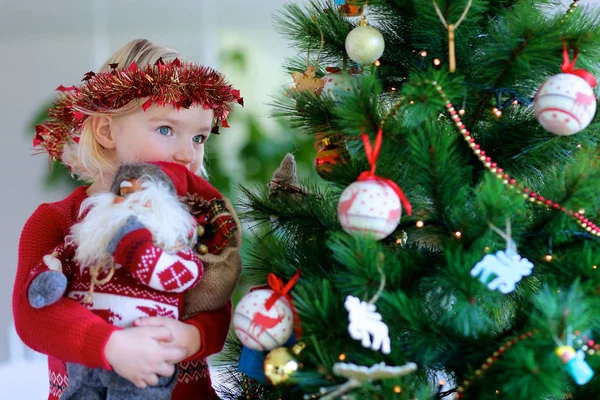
x,y
44,44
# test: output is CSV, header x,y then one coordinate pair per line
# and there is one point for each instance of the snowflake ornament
x,y
366,325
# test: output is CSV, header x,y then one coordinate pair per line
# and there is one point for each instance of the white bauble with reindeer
x,y
261,329
369,207
565,104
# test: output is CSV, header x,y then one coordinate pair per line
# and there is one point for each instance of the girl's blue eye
x,y
200,139
164,130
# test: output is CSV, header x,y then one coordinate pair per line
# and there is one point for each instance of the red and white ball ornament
x,y
369,207
565,104
338,83
259,328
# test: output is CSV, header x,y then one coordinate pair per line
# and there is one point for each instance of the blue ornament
x,y
579,369
251,362
575,364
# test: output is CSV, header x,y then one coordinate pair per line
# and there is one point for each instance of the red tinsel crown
x,y
174,83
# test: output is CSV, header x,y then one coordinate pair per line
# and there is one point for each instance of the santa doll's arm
x,y
153,267
48,280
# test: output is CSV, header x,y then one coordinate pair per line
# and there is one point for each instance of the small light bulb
x,y
578,146
594,266
436,62
581,211
498,113
441,382
342,357
458,234
461,112
548,257
558,291
393,88
497,391
412,102
423,53
515,102
420,224
377,63
486,249
495,109
397,389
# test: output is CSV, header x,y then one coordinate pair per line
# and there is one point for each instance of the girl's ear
x,y
102,128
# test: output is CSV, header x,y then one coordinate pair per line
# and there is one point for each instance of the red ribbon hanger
x,y
568,67
372,156
281,290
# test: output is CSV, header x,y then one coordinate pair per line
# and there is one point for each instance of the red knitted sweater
x,y
68,332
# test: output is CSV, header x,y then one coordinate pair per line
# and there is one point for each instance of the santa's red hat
x,y
186,182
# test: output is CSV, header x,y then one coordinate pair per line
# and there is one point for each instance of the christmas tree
x,y
451,249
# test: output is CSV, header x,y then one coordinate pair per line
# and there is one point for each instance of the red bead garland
x,y
533,197
489,362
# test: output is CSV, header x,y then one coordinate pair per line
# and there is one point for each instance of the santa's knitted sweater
x,y
68,332
146,282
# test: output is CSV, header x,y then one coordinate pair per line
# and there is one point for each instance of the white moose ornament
x,y
507,266
366,322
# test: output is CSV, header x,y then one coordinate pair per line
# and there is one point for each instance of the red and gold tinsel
x,y
173,83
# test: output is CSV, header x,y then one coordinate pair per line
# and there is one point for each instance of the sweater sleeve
x,y
66,329
153,267
213,327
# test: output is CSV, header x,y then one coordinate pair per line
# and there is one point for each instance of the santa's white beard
x,y
166,218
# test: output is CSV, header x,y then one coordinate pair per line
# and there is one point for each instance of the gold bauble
x,y
281,363
329,156
400,238
202,249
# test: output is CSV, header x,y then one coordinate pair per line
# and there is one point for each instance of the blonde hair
x,y
88,159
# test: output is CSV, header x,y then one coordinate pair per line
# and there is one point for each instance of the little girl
x,y
144,105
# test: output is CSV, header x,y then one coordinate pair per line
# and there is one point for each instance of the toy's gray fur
x,y
136,171
47,288
99,384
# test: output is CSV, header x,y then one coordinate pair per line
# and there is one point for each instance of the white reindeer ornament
x,y
365,323
506,266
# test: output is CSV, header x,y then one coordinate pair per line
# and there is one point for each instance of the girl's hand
x,y
183,335
140,354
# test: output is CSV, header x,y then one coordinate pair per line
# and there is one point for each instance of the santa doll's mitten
x,y
46,288
223,232
132,224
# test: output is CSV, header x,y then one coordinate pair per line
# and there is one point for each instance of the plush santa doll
x,y
131,256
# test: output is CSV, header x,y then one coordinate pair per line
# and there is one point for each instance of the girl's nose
x,y
185,154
